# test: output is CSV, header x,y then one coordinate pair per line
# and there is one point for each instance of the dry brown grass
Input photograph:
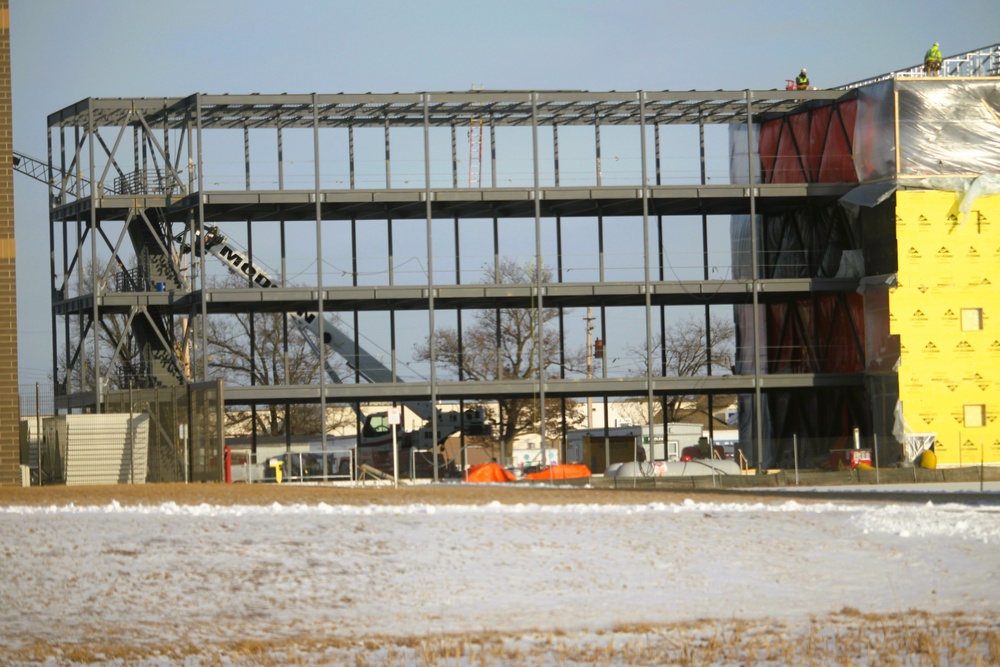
x,y
913,639
266,494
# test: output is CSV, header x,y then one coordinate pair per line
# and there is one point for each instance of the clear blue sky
x,y
67,50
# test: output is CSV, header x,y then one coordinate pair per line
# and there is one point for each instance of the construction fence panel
x,y
168,412
185,433
206,423
162,434
246,466
36,404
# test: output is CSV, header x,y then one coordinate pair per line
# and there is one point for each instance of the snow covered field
x,y
785,582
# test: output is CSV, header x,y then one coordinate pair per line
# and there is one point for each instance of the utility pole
x,y
590,362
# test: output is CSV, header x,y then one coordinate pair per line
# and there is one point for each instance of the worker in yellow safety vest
x,y
802,81
932,61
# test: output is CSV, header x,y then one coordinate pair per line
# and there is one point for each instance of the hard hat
x,y
935,43
803,70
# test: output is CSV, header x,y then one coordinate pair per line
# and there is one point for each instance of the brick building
x,y
9,456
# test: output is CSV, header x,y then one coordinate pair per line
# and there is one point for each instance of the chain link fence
x,y
163,434
36,403
269,465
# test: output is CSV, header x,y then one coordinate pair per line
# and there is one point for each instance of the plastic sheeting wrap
x,y
908,136
695,468
739,172
875,133
739,165
946,127
881,346
810,242
806,242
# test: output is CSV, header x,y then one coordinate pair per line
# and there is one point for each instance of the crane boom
x,y
320,331
238,264
318,328
39,170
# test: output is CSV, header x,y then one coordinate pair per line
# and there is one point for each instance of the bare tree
x,y
636,410
251,349
683,352
504,344
230,354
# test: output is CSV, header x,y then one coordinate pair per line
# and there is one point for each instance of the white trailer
x,y
599,448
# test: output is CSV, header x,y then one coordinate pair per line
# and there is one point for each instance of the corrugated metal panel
x,y
103,449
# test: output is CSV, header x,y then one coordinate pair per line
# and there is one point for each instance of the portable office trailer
x,y
599,448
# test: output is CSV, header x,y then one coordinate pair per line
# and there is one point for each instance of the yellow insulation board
x,y
946,311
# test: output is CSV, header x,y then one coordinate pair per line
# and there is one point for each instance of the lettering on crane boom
x,y
243,265
240,263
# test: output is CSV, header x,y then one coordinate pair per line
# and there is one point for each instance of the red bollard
x,y
229,465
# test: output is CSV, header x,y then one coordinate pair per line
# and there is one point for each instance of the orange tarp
x,y
489,472
560,471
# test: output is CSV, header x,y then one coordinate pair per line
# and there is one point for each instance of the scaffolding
x,y
981,62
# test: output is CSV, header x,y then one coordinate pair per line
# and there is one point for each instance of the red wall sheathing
x,y
819,129
837,163
824,333
810,146
816,335
813,146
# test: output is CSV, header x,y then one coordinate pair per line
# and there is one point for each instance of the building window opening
x,y
972,319
975,416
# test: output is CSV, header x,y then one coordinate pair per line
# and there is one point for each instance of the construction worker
x,y
932,61
802,81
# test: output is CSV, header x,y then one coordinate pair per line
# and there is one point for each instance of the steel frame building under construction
x,y
830,178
